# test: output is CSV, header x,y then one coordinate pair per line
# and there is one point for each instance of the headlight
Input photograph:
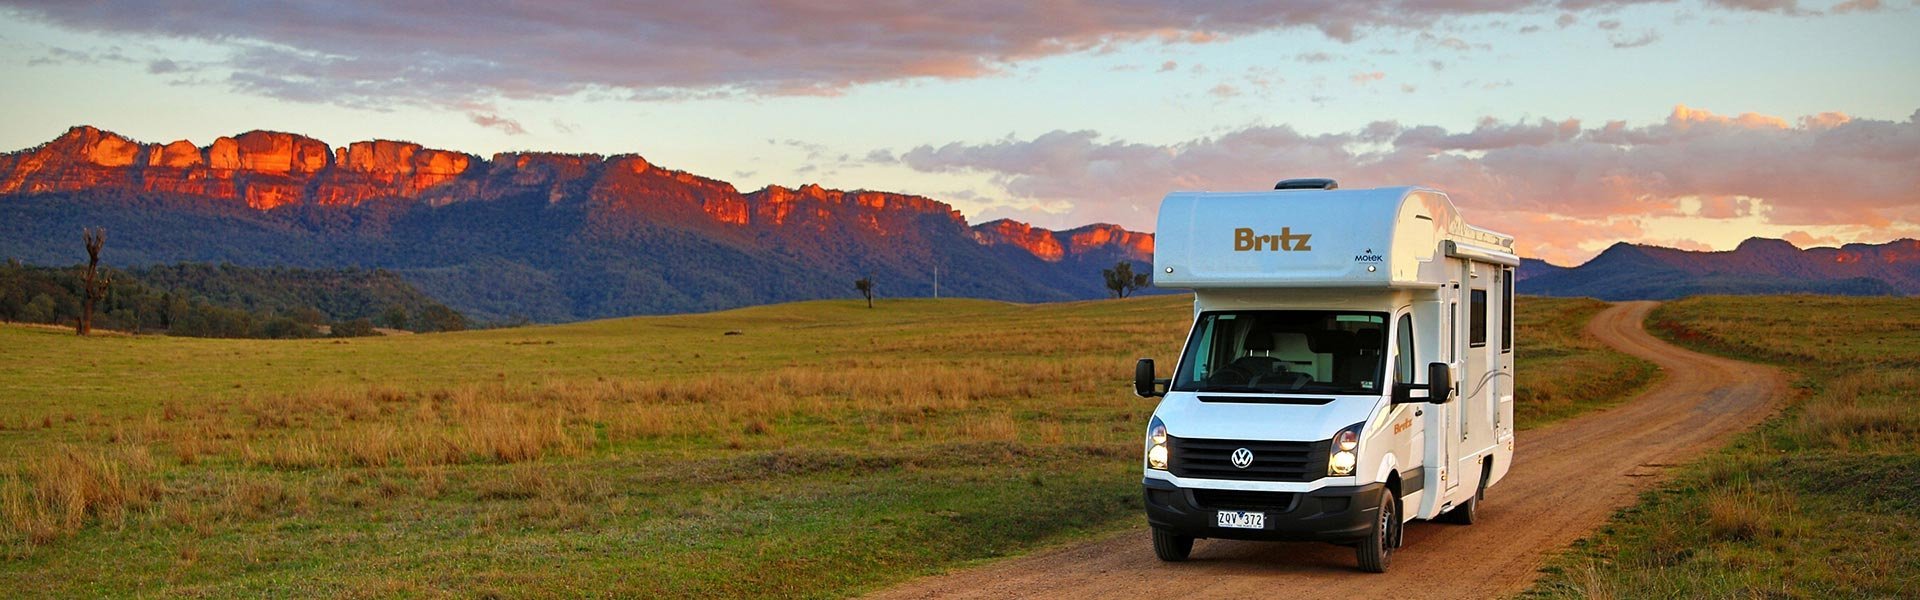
x,y
1346,449
1157,444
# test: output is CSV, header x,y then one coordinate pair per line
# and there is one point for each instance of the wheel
x,y
1376,550
1171,547
1468,513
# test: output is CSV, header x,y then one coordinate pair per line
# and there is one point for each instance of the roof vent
x,y
1317,183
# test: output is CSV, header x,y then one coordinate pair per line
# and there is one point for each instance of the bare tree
x,y
1121,280
865,285
94,285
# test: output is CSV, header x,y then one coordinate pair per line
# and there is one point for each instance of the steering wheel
x,y
1229,375
1258,366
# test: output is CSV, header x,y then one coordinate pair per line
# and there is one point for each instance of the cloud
x,y
1645,38
56,56
1313,57
371,53
1808,240
1694,245
508,126
1857,6
1489,134
1789,7
1725,207
1364,78
1562,183
1224,90
1168,66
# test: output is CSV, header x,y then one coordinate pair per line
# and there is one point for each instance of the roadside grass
x,y
1820,501
821,450
1562,371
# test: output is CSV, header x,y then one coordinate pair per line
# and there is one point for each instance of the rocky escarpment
x,y
267,170
1054,246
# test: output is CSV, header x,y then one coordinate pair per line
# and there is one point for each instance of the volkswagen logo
x,y
1243,458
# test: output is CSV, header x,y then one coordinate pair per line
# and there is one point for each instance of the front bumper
x,y
1331,514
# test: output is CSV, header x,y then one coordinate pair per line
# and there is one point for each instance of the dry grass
x,y
61,492
1868,410
1817,502
378,427
810,446
1563,371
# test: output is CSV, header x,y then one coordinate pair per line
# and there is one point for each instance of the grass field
x,y
1822,501
1564,372
813,449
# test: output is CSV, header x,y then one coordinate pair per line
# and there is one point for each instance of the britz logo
x,y
1245,240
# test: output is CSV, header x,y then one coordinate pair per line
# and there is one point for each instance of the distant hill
x,y
1757,266
525,235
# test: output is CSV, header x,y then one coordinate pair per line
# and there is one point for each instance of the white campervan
x,y
1350,367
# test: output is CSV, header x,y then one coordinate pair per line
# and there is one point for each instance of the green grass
x,y
823,450
1564,372
1820,501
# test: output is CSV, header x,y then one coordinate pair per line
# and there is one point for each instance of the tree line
x,y
225,301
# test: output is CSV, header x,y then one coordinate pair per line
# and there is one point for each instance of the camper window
x,y
1278,351
1477,321
1403,360
1506,311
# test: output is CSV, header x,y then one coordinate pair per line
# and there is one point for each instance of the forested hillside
x,y
226,301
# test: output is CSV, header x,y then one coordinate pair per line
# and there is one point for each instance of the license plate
x,y
1240,519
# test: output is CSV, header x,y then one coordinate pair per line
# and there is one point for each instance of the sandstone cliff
x,y
267,170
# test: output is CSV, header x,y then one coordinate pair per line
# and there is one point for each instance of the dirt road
x,y
1567,479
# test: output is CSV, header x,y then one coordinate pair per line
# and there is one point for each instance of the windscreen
x,y
1285,351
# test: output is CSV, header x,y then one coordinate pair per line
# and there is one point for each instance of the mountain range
x,y
1757,266
525,235
557,237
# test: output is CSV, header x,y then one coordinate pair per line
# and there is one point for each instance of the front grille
x,y
1272,461
1243,500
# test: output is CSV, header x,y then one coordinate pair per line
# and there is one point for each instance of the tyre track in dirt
x,y
1567,478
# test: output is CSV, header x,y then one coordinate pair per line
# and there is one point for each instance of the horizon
x,y
1803,244
1690,125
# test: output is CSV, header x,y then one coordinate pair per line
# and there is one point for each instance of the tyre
x,y
1468,513
1375,552
1171,547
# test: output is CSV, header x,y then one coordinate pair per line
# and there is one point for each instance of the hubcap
x,y
1386,520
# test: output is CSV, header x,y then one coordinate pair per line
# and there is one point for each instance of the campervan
x,y
1349,369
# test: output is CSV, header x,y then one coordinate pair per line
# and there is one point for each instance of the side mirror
x,y
1439,387
1439,383
1144,385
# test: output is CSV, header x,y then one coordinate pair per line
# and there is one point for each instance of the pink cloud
x,y
1726,207
1808,240
371,53
1568,184
493,121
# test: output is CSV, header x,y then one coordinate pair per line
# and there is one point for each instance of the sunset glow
x,y
1693,125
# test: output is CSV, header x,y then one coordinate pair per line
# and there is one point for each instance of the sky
x,y
1571,124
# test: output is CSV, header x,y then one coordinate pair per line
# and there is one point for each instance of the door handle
x,y
1419,413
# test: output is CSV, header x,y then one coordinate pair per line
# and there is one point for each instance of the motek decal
x,y
1245,240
